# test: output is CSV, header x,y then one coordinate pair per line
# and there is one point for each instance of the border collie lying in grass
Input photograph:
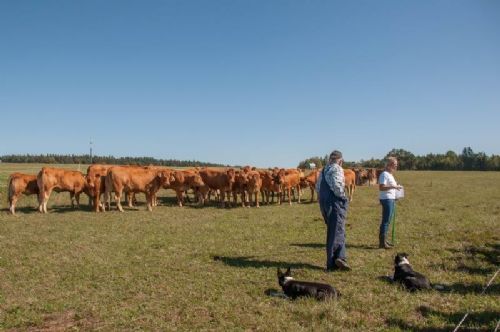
x,y
294,289
404,274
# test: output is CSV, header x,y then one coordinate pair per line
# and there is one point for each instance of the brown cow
x,y
361,175
290,179
254,186
372,176
147,180
270,185
240,187
182,181
350,183
221,180
378,171
310,181
20,184
59,180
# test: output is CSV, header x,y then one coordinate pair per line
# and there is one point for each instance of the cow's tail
x,y
10,190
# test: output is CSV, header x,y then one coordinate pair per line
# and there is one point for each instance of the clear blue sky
x,y
249,82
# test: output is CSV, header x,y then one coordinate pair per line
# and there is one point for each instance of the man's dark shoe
x,y
342,265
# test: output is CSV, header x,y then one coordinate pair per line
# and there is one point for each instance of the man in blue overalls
x,y
333,204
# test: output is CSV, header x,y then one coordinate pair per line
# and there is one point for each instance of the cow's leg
x,y
98,203
107,201
40,201
312,193
149,200
77,198
46,200
290,195
245,198
256,198
187,196
72,198
128,197
223,198
12,204
235,198
179,197
300,192
118,199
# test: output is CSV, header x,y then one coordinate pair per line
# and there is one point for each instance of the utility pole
x,y
91,150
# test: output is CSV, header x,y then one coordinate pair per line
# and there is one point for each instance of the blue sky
x,y
249,82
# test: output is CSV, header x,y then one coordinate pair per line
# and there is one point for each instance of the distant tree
x,y
318,161
406,159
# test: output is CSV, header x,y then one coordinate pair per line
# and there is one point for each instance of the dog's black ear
x,y
288,272
279,272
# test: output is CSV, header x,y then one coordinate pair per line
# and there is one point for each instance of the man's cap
x,y
336,155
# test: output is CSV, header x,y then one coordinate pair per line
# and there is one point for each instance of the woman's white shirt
x,y
387,179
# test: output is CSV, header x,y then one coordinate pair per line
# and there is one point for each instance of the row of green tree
x,y
110,160
467,160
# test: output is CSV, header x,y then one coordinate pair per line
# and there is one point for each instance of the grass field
x,y
78,270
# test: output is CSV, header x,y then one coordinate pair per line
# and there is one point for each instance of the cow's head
x,y
231,175
92,181
165,177
241,178
197,181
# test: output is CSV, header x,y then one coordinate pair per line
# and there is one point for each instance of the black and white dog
x,y
294,289
404,274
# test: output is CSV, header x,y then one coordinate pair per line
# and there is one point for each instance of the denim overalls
x,y
334,211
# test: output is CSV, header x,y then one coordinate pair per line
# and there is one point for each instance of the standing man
x,y
333,204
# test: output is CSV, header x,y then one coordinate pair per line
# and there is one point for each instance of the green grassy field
x,y
78,270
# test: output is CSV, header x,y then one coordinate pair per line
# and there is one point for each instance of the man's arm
x,y
335,179
384,187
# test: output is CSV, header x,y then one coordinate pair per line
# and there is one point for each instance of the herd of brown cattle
x,y
102,181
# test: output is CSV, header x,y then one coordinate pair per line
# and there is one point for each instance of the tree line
x,y
109,160
467,160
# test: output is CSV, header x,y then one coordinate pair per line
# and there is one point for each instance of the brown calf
x,y
20,184
59,180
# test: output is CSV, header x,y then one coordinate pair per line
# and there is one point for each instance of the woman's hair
x,y
334,156
390,161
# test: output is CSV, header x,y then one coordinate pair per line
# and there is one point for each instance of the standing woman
x,y
387,188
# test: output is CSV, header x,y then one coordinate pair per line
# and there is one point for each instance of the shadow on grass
x,y
472,259
476,321
322,246
362,246
192,204
23,210
52,209
67,209
309,245
472,288
251,262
